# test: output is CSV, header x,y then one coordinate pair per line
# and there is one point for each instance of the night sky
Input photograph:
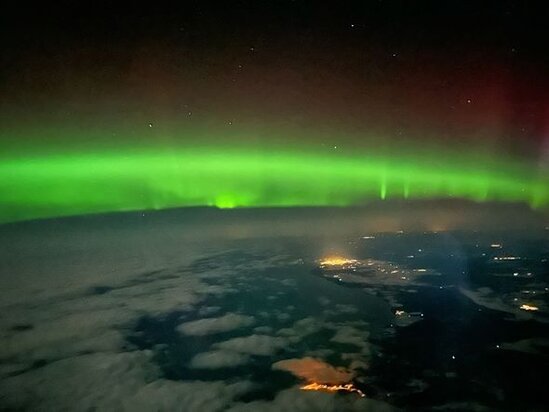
x,y
282,103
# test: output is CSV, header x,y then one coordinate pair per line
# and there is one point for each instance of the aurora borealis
x,y
266,106
69,184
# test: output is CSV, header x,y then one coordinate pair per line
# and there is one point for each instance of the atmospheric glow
x,y
93,182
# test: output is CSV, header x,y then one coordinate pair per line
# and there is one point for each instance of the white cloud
x,y
218,359
263,329
351,336
261,345
301,328
210,326
80,308
109,381
208,310
346,308
75,303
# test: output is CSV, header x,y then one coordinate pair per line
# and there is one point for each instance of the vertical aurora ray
x,y
406,189
84,182
383,188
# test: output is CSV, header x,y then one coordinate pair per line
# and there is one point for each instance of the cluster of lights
x,y
506,258
337,261
400,312
342,268
348,387
529,308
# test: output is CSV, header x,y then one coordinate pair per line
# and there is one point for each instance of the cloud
x,y
323,300
282,317
504,302
301,328
346,308
352,336
341,309
235,352
260,345
263,329
210,326
113,381
289,282
537,346
314,370
462,406
486,297
218,359
208,310
296,400
76,321
65,320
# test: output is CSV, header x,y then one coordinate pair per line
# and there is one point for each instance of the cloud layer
x,y
210,326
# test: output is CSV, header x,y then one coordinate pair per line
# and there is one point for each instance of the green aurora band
x,y
81,182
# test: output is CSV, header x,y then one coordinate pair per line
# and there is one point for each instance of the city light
x,y
349,387
337,261
529,308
